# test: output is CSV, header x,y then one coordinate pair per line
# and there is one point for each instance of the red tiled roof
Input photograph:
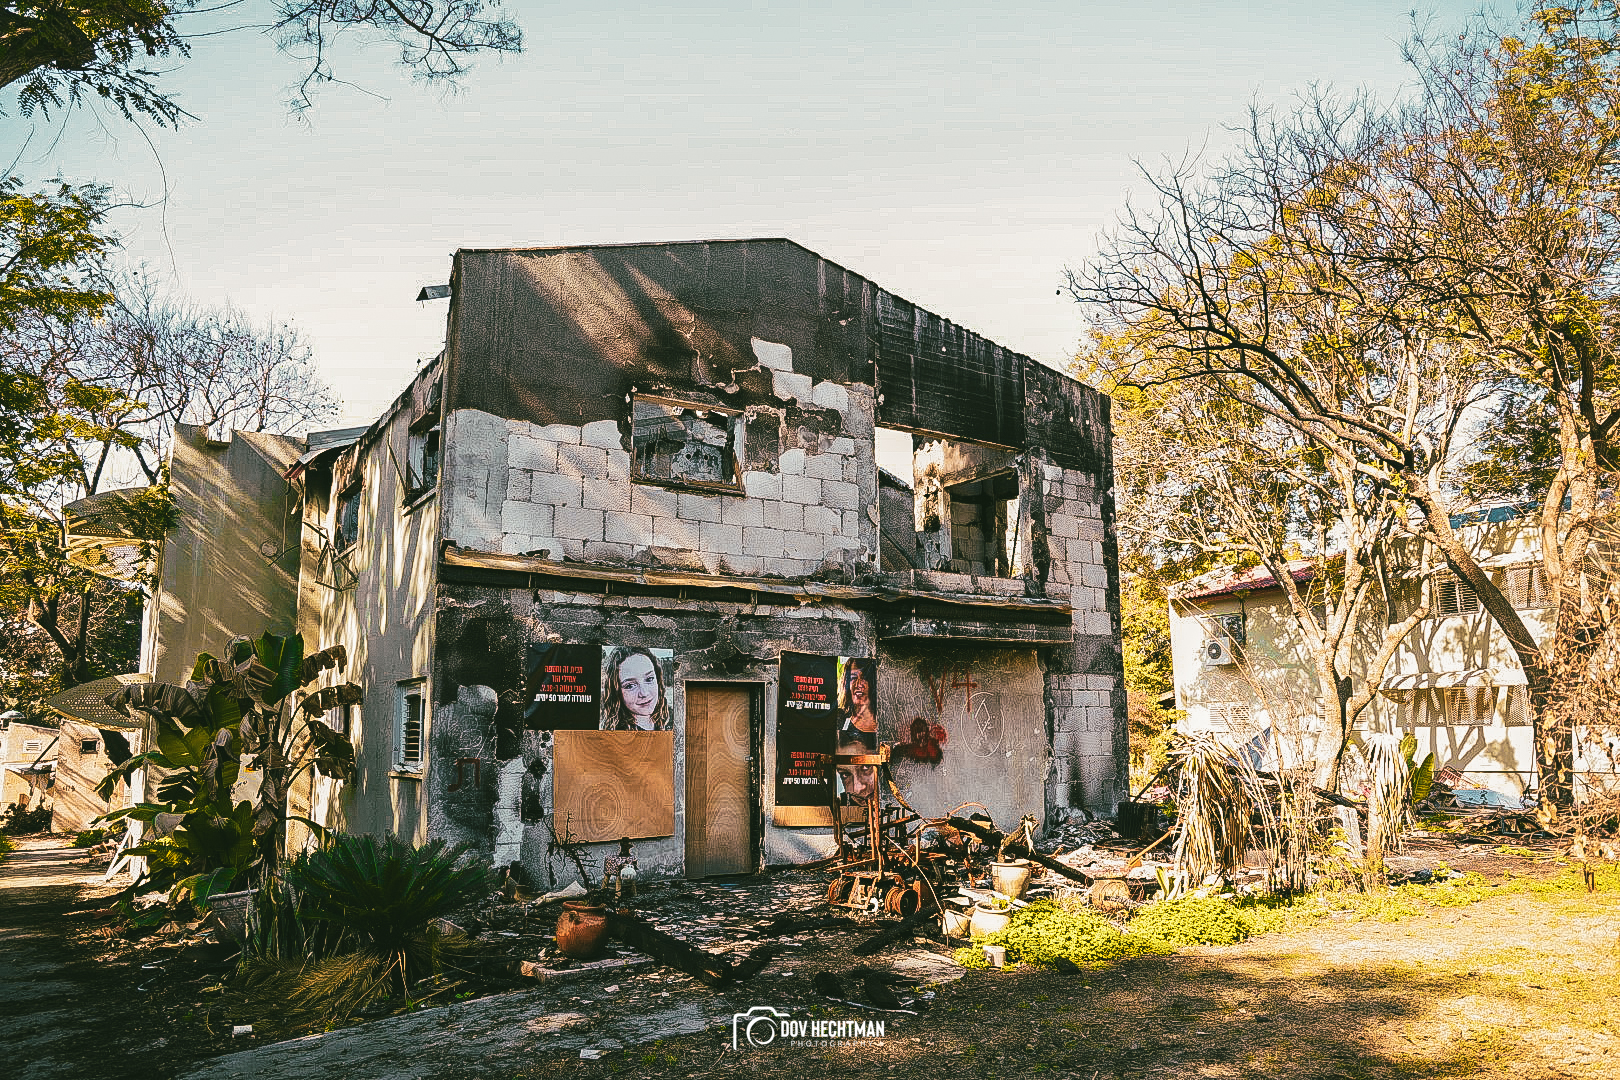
x,y
1224,582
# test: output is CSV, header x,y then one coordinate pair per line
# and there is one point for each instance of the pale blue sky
x,y
958,155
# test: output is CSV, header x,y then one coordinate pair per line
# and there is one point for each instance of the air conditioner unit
x,y
1218,651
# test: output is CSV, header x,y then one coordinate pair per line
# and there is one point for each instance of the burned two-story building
x,y
623,562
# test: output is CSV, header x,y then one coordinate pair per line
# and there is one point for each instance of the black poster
x,y
564,687
806,721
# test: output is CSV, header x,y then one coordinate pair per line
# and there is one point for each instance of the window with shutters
x,y
1452,596
1526,586
408,745
1230,715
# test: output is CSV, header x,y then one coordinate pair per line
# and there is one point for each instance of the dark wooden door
x,y
719,803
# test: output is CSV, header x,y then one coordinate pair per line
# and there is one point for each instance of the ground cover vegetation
x,y
1308,337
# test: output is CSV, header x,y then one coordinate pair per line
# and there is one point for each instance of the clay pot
x,y
1010,878
954,920
581,930
987,920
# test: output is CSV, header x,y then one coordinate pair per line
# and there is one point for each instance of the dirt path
x,y
66,1010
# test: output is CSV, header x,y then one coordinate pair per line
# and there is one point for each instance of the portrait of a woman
x,y
634,697
855,703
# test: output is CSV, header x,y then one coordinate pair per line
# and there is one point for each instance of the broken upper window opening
x,y
422,458
686,444
347,527
984,525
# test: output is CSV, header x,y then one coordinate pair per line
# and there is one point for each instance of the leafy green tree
x,y
60,53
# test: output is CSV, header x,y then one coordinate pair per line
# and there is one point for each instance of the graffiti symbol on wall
x,y
984,726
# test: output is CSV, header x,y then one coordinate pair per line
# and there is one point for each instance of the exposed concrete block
x,y
825,467
531,518
618,466
603,433
803,489
789,517
587,461
532,454
575,524
636,529
517,543
554,489
762,485
766,543
850,525
561,434
822,520
477,437
599,551
607,495
831,395
843,446
860,418
1090,529
1093,622
1064,525
839,495
655,501
699,507
517,485
671,532
742,512
791,385
791,463
800,545
742,564
722,539
1094,576
772,355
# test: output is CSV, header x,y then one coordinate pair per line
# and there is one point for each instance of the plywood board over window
x,y
611,784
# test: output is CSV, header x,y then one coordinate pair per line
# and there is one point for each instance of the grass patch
x,y
1044,931
7,846
1191,920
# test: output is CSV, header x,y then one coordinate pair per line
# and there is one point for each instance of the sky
x,y
961,156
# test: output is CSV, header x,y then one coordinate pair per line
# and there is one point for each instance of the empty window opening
x,y
984,525
409,743
89,747
966,515
422,458
685,443
347,529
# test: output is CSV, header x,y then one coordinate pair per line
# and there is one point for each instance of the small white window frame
x,y
410,754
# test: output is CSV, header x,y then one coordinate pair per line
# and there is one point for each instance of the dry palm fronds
x,y
1215,798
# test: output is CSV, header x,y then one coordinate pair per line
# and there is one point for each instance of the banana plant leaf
x,y
285,657
328,698
336,657
334,753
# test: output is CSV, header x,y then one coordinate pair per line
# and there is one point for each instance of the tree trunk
x,y
1555,746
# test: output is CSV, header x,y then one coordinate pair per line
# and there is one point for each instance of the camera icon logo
x,y
757,1027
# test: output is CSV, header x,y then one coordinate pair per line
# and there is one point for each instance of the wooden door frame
x,y
756,758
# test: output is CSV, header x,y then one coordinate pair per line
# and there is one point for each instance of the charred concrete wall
x,y
549,351
505,805
1075,555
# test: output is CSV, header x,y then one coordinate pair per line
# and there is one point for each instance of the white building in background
x,y
1243,669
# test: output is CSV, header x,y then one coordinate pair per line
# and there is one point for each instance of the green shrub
x,y
1191,920
1043,931
7,846
20,822
91,837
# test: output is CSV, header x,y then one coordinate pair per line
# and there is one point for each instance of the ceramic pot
x,y
1010,878
987,920
581,930
954,920
230,910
